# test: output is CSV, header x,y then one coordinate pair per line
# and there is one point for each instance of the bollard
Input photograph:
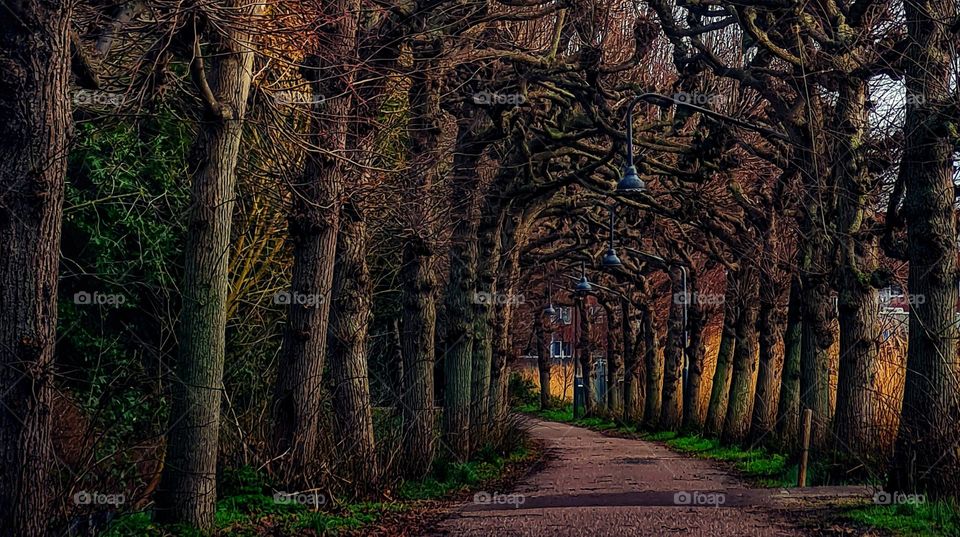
x,y
579,403
802,473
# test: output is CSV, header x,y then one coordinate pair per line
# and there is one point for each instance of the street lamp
x,y
610,258
550,311
583,287
631,183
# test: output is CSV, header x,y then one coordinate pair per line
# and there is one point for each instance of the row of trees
x,y
797,180
441,154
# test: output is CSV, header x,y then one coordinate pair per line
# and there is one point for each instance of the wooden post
x,y
807,422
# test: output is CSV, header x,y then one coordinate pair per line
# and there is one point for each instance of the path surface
x,y
599,485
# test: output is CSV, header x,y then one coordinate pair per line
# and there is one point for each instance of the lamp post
x,y
583,287
550,311
631,183
610,258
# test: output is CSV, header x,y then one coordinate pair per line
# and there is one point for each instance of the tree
x,y
653,363
719,392
925,456
670,409
693,416
788,408
313,228
188,489
419,274
543,361
585,357
459,297
36,122
632,363
736,426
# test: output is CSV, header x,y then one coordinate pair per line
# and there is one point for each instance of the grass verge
x,y
248,508
929,519
769,469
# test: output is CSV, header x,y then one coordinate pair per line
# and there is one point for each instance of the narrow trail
x,y
599,485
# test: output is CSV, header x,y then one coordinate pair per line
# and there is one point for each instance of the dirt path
x,y
599,485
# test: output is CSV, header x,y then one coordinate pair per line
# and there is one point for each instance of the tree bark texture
x,y
736,427
926,455
671,412
458,370
788,409
188,488
856,424
720,391
653,362
36,124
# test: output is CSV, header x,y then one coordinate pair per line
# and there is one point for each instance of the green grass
x,y
766,468
448,477
933,519
564,414
248,509
243,516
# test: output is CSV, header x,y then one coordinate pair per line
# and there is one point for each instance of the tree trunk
x,y
419,325
458,369
419,273
489,256
188,489
632,365
788,410
816,337
720,391
614,366
770,326
736,427
653,363
855,423
543,362
926,456
350,319
36,123
584,355
693,417
513,237
670,409
314,226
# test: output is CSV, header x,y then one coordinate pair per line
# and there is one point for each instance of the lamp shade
x,y
610,259
631,182
583,286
